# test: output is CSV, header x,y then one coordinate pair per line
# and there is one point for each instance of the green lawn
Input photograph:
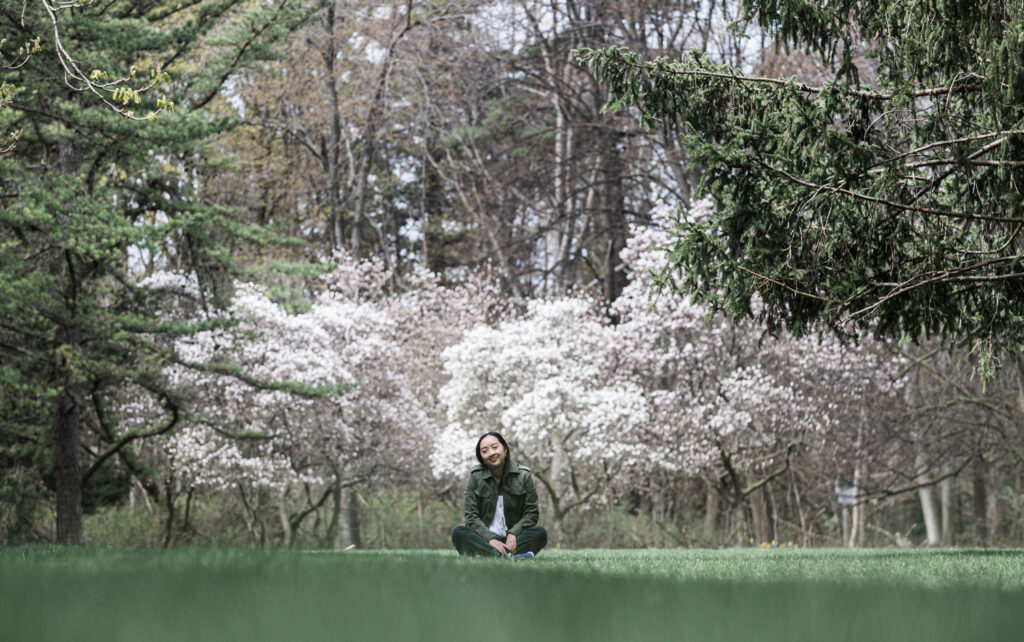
x,y
222,595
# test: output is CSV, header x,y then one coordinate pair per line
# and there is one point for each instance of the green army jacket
x,y
521,510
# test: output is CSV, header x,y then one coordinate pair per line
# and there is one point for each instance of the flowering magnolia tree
x,y
669,391
291,410
547,380
736,403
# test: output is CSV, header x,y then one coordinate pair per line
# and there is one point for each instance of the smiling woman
x,y
500,507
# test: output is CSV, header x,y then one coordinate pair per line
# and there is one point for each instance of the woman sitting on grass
x,y
500,505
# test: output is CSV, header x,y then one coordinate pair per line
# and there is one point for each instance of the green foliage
x,y
119,526
886,200
397,518
23,511
769,595
285,282
91,202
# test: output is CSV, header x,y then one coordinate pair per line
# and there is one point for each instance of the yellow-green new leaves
x,y
127,95
7,89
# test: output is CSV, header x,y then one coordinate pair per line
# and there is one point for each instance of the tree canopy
x,y
884,198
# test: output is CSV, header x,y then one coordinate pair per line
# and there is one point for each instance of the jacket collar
x,y
511,467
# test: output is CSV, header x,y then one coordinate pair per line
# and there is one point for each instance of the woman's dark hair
x,y
498,436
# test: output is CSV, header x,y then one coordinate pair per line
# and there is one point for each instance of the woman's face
x,y
492,451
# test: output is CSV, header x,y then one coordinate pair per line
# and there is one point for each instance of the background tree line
x,y
380,183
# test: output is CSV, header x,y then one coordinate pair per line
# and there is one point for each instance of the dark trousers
x,y
467,542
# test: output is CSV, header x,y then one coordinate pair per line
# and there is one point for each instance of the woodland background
x,y
355,235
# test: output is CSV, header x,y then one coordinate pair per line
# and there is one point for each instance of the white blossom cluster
x,y
670,387
547,380
249,431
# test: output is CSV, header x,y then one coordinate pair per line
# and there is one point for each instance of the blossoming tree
x,y
289,411
547,379
667,391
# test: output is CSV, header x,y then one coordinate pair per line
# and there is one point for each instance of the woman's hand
x,y
499,546
510,543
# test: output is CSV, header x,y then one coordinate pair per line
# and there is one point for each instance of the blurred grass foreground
x,y
55,594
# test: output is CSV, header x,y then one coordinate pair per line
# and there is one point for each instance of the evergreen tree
x,y
90,199
887,199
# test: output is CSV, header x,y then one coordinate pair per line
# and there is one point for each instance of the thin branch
x,y
882,201
881,494
945,276
131,436
783,285
800,86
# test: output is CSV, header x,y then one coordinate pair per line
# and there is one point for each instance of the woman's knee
x,y
541,535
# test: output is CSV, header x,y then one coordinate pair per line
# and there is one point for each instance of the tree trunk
x,y
67,431
368,144
739,526
350,535
993,515
759,516
712,511
947,500
333,155
799,507
773,513
356,244
431,212
169,497
554,271
288,533
856,535
844,524
614,220
922,477
331,535
66,467
979,486
929,511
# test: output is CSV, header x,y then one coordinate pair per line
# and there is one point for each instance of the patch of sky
x,y
508,24
233,95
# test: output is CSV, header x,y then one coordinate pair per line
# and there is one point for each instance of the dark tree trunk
x,y
614,220
67,431
712,511
759,516
66,467
993,514
431,212
980,501
333,156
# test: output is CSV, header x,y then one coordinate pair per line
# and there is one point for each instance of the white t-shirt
x,y
498,526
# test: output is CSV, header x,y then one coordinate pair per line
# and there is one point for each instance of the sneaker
x,y
528,555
